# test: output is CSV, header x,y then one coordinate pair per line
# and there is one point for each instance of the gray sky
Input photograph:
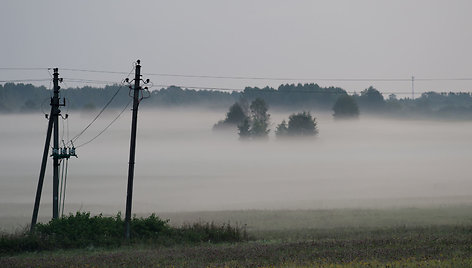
x,y
263,38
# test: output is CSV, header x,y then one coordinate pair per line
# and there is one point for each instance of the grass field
x,y
408,237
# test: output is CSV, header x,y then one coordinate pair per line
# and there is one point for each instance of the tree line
x,y
311,97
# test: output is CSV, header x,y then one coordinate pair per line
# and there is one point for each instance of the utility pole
x,y
52,125
412,87
137,97
55,149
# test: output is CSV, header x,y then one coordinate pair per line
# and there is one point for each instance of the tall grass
x,y
83,230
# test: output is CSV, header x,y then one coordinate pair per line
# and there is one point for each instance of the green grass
x,y
82,230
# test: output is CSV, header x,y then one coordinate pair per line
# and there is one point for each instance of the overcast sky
x,y
257,38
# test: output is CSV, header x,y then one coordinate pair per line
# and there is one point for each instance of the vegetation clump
x,y
83,230
252,122
257,125
234,117
299,125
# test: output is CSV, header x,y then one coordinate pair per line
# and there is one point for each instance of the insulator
x,y
72,151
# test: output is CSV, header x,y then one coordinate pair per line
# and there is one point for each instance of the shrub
x,y
299,124
82,230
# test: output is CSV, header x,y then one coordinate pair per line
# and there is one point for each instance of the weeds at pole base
x,y
84,231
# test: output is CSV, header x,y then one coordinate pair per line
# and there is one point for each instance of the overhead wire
x,y
247,77
23,68
105,82
98,115
106,128
92,71
274,90
64,192
24,80
277,78
75,138
62,195
61,182
90,81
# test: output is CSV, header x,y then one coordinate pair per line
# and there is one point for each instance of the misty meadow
x,y
242,133
186,171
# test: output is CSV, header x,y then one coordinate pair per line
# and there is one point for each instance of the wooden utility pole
x,y
55,148
52,125
132,150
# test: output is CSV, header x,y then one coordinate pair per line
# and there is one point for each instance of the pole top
x,y
56,70
138,61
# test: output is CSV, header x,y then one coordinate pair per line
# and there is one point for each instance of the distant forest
x,y
311,97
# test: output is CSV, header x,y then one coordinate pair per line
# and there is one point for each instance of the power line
x,y
24,80
90,81
97,116
282,79
92,71
101,111
104,82
258,77
442,79
274,90
23,69
106,128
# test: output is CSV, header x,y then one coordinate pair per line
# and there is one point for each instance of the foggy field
x,y
182,166
389,187
371,191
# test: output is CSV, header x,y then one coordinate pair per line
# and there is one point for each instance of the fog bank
x,y
182,165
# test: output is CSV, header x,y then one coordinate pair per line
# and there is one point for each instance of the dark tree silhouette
x,y
282,129
244,129
260,118
299,124
346,107
234,117
371,99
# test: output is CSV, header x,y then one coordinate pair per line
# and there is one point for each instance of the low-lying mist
x,y
182,165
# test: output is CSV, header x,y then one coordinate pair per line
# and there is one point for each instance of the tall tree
x,y
260,118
